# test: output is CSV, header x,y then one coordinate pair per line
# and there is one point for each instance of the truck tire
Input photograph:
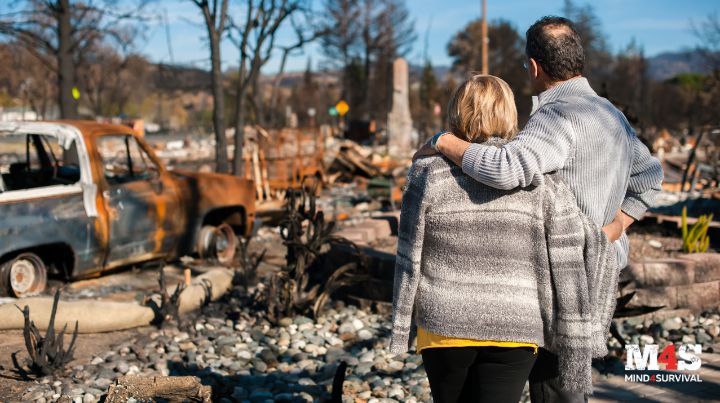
x,y
23,276
217,243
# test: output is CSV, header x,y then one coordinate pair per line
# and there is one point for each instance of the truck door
x,y
138,202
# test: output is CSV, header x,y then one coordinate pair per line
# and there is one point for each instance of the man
x,y
580,135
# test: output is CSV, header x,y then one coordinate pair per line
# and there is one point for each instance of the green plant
x,y
696,239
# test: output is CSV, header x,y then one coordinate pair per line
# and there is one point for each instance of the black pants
x,y
544,386
478,374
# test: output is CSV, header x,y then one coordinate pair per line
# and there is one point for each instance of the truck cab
x,y
79,198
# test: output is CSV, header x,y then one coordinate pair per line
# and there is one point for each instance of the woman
x,y
492,275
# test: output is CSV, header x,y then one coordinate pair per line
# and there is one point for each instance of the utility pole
x,y
484,33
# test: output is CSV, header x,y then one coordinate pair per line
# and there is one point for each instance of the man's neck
x,y
547,85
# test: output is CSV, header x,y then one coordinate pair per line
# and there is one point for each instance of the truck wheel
x,y
219,243
23,276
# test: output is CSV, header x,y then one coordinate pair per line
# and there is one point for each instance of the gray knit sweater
x,y
523,265
589,143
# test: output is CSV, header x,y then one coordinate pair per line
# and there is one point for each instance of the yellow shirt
x,y
427,339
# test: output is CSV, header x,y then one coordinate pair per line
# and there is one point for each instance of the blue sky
x,y
657,25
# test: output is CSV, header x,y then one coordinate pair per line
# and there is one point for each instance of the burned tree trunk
x,y
241,92
215,17
238,162
66,64
219,105
62,33
263,19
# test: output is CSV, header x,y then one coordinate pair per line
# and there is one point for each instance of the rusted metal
x,y
217,243
26,275
95,224
280,159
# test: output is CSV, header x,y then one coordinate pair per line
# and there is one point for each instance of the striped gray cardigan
x,y
524,265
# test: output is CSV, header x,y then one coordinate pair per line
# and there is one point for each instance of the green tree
x,y
708,34
598,59
506,54
60,32
628,87
364,37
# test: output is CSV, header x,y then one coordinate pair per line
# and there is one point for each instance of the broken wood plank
x,y
150,388
264,172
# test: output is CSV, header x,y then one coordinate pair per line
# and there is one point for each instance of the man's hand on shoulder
x,y
431,147
445,143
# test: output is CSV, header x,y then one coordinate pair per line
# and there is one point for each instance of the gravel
x,y
247,359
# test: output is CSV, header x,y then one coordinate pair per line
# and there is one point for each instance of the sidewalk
x,y
615,389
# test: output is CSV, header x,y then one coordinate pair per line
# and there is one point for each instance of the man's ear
x,y
534,68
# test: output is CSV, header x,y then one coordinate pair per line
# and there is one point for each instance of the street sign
x,y
342,108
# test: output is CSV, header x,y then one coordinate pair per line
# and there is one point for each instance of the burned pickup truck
x,y
78,198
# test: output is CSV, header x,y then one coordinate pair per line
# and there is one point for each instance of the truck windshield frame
x,y
129,155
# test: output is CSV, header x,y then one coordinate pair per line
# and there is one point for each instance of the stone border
x,y
691,281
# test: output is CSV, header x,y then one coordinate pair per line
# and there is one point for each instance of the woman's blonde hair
x,y
482,107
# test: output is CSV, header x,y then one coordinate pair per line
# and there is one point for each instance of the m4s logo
x,y
686,359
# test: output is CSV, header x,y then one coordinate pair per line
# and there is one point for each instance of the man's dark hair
x,y
555,44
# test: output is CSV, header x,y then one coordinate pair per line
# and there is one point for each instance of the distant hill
x,y
669,64
177,77
441,72
291,78
168,77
